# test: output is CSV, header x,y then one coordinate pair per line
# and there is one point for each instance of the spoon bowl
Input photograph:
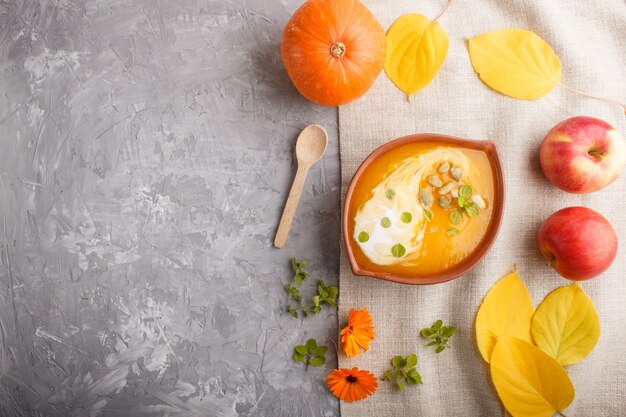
x,y
311,144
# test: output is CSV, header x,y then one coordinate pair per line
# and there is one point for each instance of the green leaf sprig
x,y
295,294
325,294
439,335
310,353
299,274
403,370
464,200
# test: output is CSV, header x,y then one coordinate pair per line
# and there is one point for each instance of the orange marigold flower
x,y
358,333
351,385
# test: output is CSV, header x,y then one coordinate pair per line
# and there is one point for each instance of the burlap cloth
x,y
590,39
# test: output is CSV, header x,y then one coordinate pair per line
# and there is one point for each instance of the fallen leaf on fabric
x,y
506,311
515,62
530,383
416,49
566,325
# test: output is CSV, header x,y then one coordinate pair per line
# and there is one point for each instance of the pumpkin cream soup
x,y
421,208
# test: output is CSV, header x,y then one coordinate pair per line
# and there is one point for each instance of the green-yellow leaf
x,y
515,62
529,382
506,311
566,325
416,49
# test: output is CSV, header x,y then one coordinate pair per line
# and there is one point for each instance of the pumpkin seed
x,y
426,198
446,188
444,202
406,217
478,200
364,237
457,173
454,193
452,232
433,229
435,181
445,167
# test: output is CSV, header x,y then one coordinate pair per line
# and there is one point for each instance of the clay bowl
x,y
489,148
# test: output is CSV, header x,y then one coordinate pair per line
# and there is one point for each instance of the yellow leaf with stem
x,y
566,325
416,49
529,382
506,311
515,62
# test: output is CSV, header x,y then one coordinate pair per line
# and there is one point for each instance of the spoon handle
x,y
290,207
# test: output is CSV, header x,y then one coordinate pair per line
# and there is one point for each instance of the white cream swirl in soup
x,y
390,226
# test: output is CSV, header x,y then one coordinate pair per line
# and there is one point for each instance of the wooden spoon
x,y
310,147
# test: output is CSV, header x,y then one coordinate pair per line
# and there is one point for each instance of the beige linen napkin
x,y
590,39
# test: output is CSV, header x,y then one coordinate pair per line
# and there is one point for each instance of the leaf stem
x,y
445,9
606,100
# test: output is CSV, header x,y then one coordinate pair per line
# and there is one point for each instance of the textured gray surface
x,y
145,154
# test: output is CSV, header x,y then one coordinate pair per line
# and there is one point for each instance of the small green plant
x,y
299,274
403,370
325,294
438,334
310,353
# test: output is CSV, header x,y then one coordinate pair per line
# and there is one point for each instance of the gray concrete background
x,y
145,155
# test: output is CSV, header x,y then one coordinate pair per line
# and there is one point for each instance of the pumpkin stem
x,y
338,49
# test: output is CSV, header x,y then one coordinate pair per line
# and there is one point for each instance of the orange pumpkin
x,y
333,50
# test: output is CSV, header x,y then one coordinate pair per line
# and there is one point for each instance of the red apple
x,y
582,155
579,243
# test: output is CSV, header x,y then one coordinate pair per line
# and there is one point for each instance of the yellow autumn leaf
x,y
515,62
529,382
566,325
416,49
506,310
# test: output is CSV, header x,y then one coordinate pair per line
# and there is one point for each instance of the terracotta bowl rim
x,y
487,146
